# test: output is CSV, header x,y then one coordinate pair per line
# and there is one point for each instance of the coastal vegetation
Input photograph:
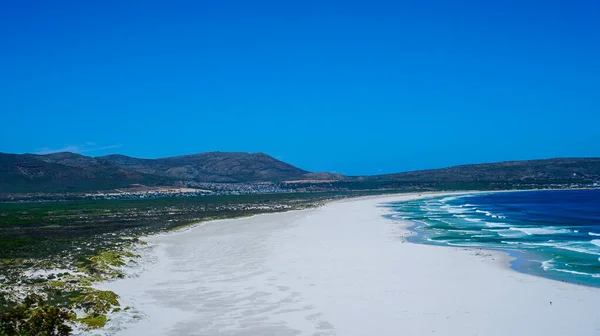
x,y
53,252
35,317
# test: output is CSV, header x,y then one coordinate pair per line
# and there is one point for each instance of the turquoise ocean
x,y
553,234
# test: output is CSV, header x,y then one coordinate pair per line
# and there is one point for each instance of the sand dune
x,y
342,269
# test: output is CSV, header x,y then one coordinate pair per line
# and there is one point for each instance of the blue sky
x,y
353,87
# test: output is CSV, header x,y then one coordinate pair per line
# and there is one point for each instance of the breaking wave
x,y
548,229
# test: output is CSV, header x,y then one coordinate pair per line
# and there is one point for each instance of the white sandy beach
x,y
342,269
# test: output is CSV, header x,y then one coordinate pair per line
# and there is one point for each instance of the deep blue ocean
x,y
553,234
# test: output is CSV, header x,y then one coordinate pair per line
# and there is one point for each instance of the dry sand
x,y
342,269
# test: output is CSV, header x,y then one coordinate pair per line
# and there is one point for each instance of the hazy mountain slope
x,y
65,172
550,170
69,172
214,167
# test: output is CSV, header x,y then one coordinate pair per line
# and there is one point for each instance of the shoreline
x,y
285,273
515,259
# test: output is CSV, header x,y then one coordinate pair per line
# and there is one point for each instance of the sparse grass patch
x,y
96,302
93,321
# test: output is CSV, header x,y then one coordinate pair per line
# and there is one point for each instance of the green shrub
x,y
34,318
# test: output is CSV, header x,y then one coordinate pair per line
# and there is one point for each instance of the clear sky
x,y
356,87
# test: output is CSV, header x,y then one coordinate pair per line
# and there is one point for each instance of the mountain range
x,y
560,170
71,172
219,167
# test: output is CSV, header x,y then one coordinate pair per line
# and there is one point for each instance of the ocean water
x,y
553,234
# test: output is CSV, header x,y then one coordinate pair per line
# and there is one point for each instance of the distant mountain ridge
x,y
65,172
70,172
550,170
213,167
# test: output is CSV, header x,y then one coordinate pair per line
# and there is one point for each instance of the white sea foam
x,y
429,209
472,232
468,244
437,241
445,222
541,230
594,234
453,209
496,225
596,242
446,199
577,272
509,233
563,246
487,213
566,246
546,265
